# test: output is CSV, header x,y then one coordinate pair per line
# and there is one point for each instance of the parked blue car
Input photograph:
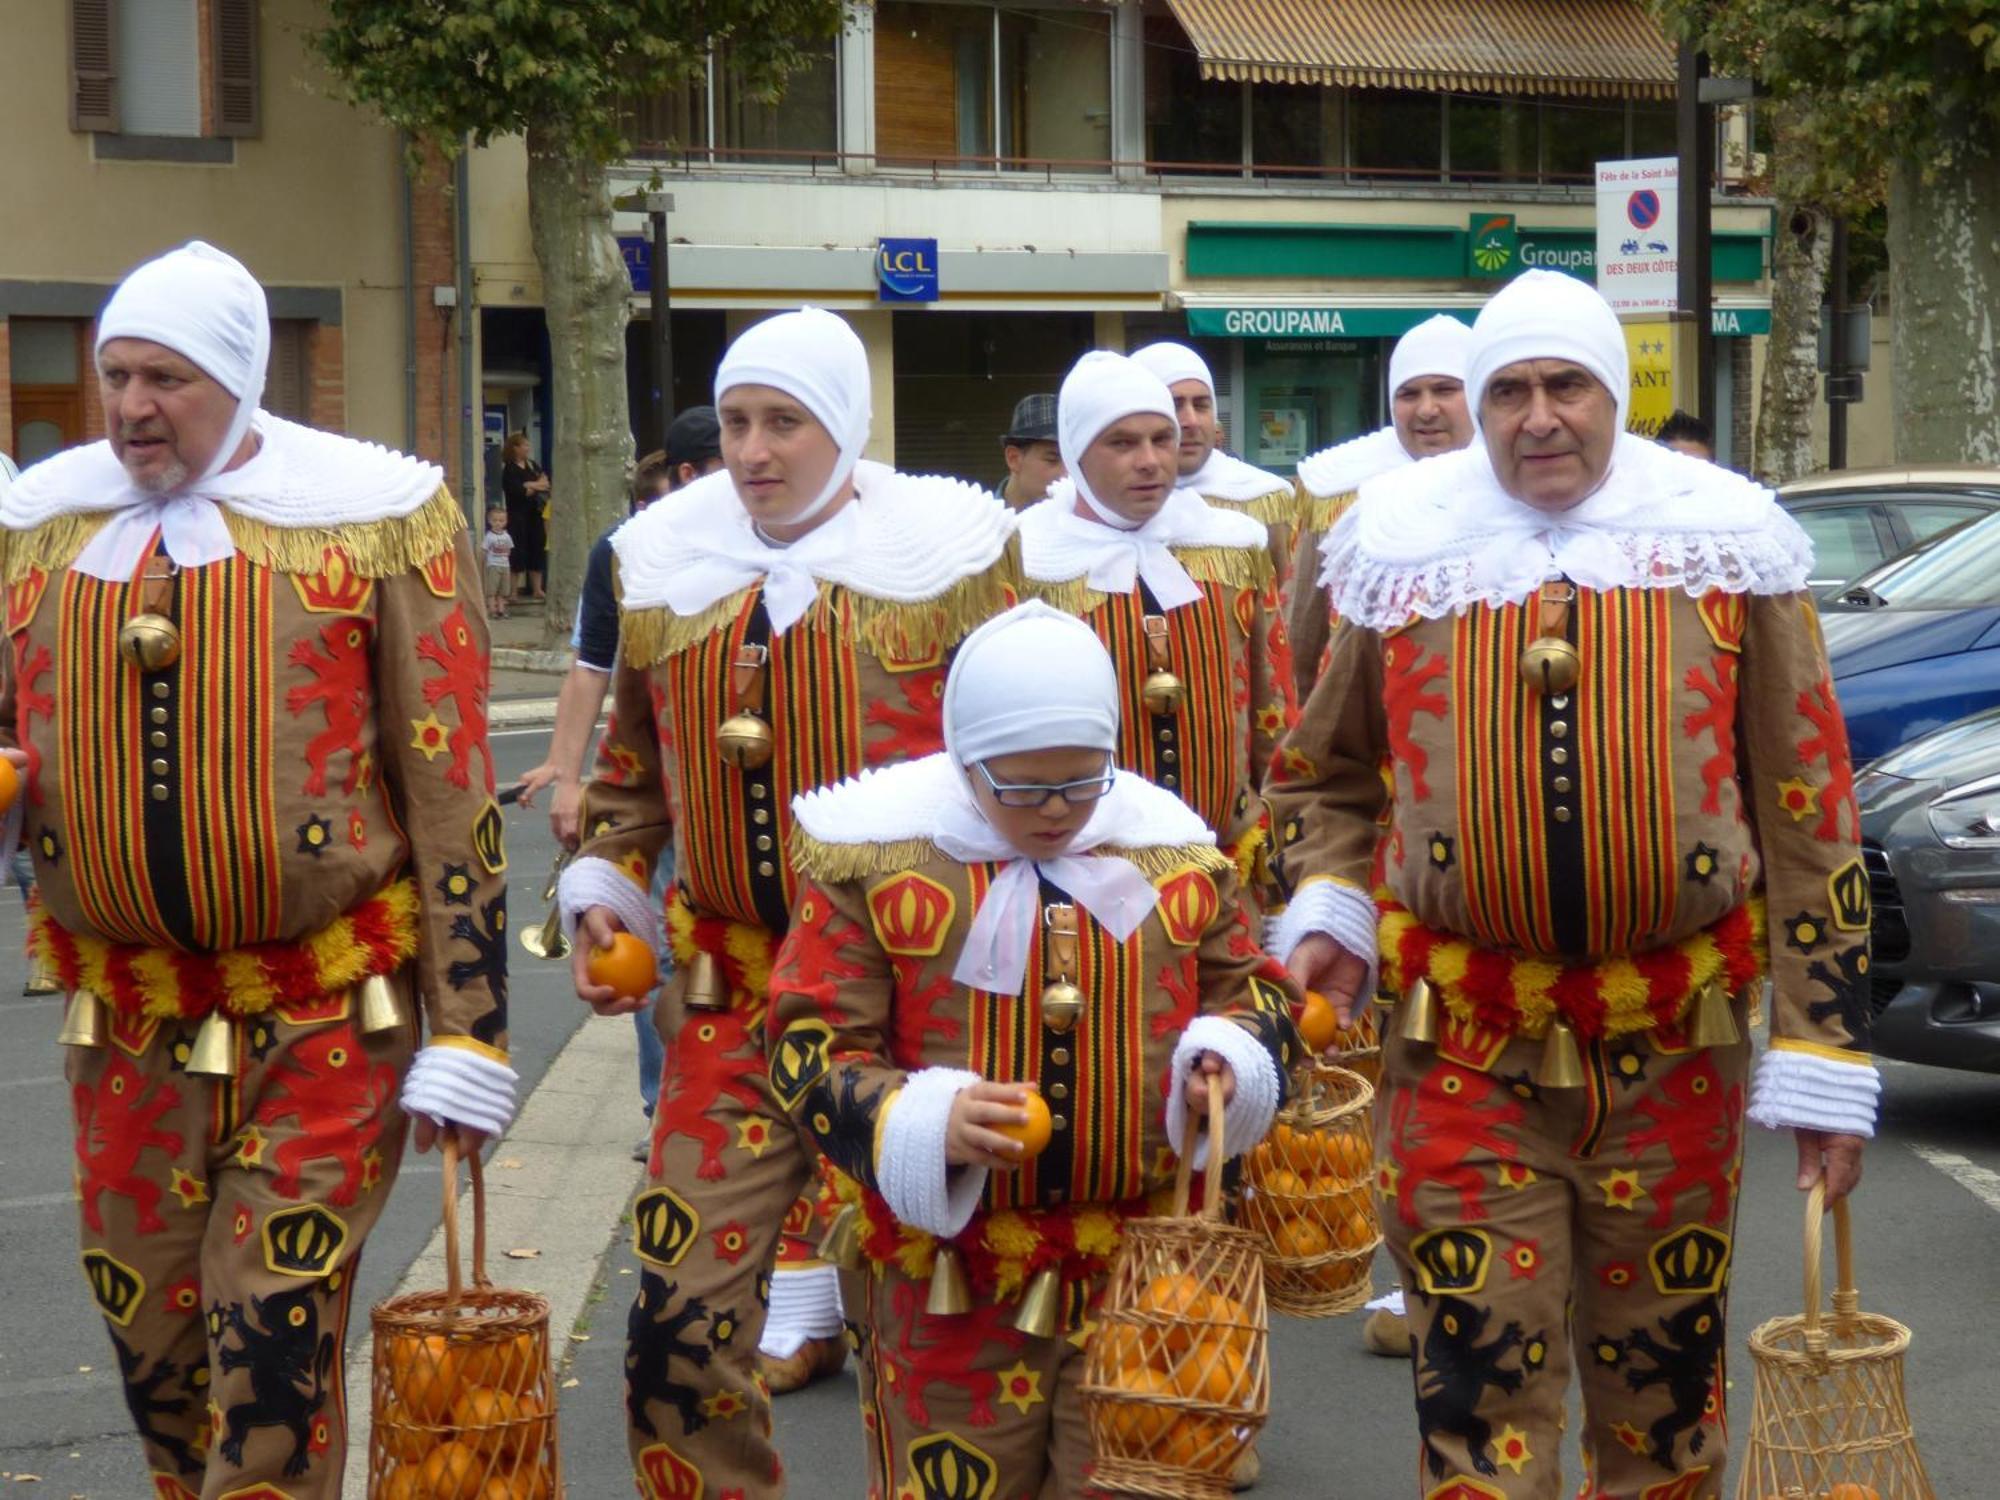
x,y
1915,643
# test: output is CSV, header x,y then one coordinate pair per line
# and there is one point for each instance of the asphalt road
x,y
1928,1247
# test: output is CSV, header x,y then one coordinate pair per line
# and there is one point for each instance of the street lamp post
x,y
658,206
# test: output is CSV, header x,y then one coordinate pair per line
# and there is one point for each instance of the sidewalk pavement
x,y
526,673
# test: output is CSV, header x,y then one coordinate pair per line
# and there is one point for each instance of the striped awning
x,y
1598,48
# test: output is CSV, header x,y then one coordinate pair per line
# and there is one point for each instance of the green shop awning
x,y
1367,321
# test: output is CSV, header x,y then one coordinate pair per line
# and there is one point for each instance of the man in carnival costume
x,y
1595,675
248,681
786,623
1010,915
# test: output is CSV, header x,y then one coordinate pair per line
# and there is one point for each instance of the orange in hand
x,y
10,783
1319,1022
1033,1136
626,968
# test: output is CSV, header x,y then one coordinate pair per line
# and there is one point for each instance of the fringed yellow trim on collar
x,y
837,864
1232,567
1319,512
1279,508
891,628
375,549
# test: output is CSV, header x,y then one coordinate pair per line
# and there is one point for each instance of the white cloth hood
x,y
816,359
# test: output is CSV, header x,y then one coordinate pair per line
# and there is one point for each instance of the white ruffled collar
x,y
929,799
1442,535
1345,467
1058,545
300,477
1228,478
904,538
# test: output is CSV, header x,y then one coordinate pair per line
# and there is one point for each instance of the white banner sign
x,y
1638,242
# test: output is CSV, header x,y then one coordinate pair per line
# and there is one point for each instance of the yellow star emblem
x,y
754,1135
1271,719
371,1170
429,735
1798,797
1079,1336
626,760
724,1404
188,1188
1297,763
1621,1189
250,1148
1386,1177
1630,1436
1021,1387
1514,1175
1511,1449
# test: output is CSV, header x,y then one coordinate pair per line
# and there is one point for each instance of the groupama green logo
x,y
1493,244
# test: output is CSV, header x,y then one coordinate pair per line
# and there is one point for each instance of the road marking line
x,y
1982,1182
38,1200
27,1083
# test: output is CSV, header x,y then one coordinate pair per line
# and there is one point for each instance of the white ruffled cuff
x,y
1340,911
1247,1118
591,881
1798,1090
450,1085
920,1187
805,1304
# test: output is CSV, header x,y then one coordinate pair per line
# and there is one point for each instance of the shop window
x,y
1189,119
716,116
1294,125
1397,133
136,70
933,81
1655,130
49,371
1492,139
1055,85
1576,137
958,375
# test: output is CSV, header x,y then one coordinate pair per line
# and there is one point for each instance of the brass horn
x,y
549,940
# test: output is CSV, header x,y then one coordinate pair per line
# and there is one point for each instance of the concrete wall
x,y
312,202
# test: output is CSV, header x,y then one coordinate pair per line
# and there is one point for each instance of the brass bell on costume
x,y
150,642
1713,1025
1420,1013
1562,1060
1041,1306
703,990
83,1021
380,1008
950,1293
841,1244
214,1052
42,980
1551,664
744,741
1163,693
1062,1004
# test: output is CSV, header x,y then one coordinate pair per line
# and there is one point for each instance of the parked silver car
x,y
1930,831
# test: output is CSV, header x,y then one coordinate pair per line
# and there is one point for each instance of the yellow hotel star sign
x,y
1650,347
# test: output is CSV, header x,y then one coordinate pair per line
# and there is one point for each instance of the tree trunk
x,y
1799,253
585,291
1944,280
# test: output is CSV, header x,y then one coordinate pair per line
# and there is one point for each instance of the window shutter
x,y
239,106
286,382
93,74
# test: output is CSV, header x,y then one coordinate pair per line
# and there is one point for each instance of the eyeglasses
x,y
1025,794
1569,389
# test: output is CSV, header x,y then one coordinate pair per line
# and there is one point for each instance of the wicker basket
x,y
1828,1418
464,1405
1177,1377
1358,1048
1309,1194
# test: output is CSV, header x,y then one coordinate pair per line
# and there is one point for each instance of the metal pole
x,y
658,206
1696,293
1837,353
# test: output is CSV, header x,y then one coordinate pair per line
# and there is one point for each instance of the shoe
x,y
1249,1469
1387,1334
814,1360
642,1150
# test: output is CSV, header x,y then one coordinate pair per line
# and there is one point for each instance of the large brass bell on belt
x,y
1163,693
1713,1025
83,1021
1550,664
744,741
841,1244
380,1009
150,642
1062,1003
1041,1306
950,1294
703,989
1562,1061
1420,1013
214,1052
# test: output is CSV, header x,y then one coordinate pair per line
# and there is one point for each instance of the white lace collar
x,y
1441,535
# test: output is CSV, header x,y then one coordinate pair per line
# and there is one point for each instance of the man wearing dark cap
x,y
1034,462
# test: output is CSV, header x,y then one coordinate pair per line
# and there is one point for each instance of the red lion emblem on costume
x,y
327,1086
1434,1127
948,1356
700,1070
340,686
464,682
115,1121
1695,1118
